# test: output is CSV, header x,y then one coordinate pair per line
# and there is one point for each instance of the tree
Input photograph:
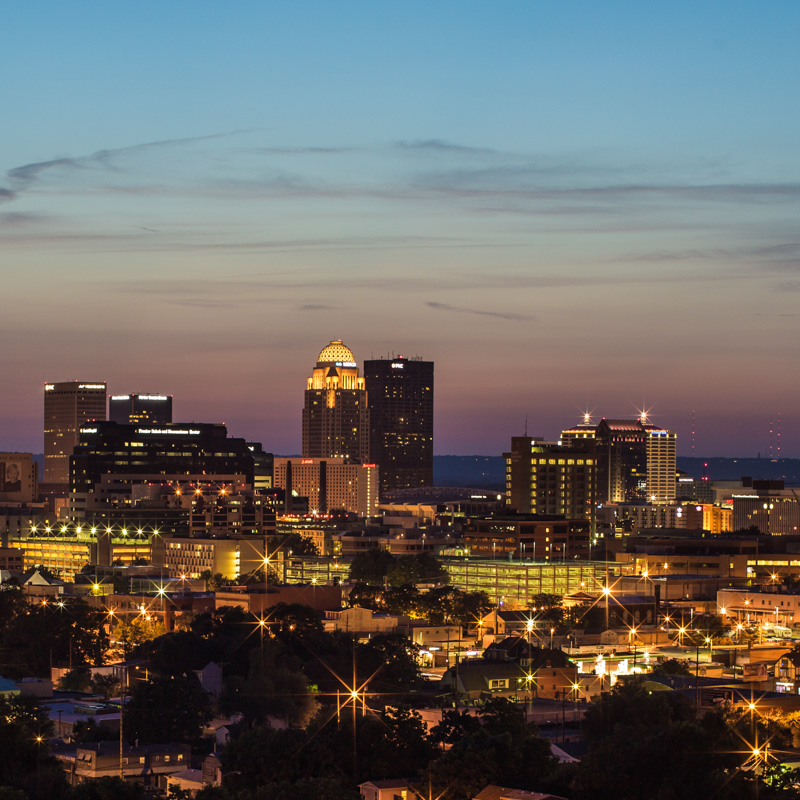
x,y
640,740
299,545
166,710
393,660
418,568
448,605
549,607
25,764
106,685
76,680
504,750
214,581
372,597
672,666
108,788
371,566
293,618
134,632
274,687
67,632
180,653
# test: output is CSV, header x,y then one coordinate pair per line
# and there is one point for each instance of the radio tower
x,y
692,433
778,437
769,451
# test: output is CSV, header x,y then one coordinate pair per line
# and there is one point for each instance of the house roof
x,y
516,647
492,792
388,783
509,616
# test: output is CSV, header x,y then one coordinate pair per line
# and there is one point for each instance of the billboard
x,y
752,673
17,477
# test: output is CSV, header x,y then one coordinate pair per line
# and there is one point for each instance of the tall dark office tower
x,y
335,415
400,392
68,406
621,461
135,409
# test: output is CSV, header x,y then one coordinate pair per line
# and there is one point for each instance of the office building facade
x,y
335,414
621,461
68,406
661,453
330,484
135,409
546,478
400,397
119,470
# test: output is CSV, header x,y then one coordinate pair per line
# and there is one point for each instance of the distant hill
x,y
476,471
489,471
731,469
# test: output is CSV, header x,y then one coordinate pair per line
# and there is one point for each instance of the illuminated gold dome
x,y
336,351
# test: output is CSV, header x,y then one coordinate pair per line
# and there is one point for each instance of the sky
x,y
566,206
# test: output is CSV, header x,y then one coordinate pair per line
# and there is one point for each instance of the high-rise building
x,y
636,460
67,407
135,409
330,484
400,396
621,461
335,415
660,447
545,478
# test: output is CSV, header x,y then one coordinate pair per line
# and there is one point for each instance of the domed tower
x,y
335,415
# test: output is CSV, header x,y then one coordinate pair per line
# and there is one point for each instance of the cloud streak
x,y
507,315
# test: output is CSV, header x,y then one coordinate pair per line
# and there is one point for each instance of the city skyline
x,y
562,207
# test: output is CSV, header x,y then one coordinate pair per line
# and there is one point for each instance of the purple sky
x,y
564,206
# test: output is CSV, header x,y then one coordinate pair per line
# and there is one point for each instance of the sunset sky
x,y
563,205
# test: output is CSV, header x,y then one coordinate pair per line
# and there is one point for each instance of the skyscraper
x,y
335,415
621,461
400,393
68,406
135,409
661,464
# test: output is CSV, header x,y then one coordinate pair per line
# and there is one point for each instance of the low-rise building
x,y
147,764
231,555
360,621
256,599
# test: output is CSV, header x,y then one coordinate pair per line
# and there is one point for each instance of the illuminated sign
x,y
367,466
159,397
398,366
172,431
92,386
120,397
346,364
49,387
307,461
88,430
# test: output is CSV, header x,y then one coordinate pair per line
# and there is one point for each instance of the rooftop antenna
x,y
526,426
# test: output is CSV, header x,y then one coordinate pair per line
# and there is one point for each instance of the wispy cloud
x,y
440,146
23,176
508,315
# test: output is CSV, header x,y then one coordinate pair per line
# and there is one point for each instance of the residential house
x,y
147,764
391,789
